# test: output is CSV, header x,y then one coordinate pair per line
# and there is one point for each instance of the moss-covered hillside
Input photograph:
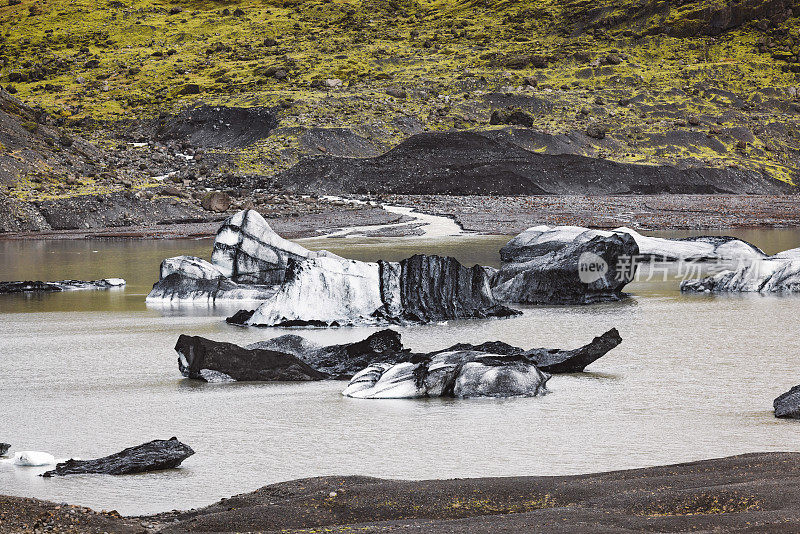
x,y
686,82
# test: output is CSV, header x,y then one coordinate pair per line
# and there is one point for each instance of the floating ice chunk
x,y
33,458
324,291
540,240
214,377
762,276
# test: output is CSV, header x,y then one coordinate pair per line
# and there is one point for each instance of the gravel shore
x,y
290,226
748,493
492,215
511,215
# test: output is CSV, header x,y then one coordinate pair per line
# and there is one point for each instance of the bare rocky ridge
x,y
510,215
218,126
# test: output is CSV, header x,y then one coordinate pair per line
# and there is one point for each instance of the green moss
x,y
122,59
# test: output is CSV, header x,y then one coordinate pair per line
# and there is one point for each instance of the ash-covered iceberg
x,y
787,405
552,360
248,261
151,456
491,369
540,240
339,361
215,361
61,285
187,278
450,374
248,251
336,292
298,287
426,288
588,269
284,358
323,291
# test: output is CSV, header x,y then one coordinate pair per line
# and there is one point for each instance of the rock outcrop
x,y
540,240
151,456
583,271
787,405
420,289
214,361
339,361
4,448
62,285
450,374
761,276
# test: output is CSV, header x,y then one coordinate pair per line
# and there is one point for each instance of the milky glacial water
x,y
85,374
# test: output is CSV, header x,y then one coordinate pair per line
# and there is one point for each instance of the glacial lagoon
x,y
87,373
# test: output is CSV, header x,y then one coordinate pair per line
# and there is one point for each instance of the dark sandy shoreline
x,y
499,215
748,493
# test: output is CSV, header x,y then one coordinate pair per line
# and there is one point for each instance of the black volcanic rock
x,y
339,361
582,272
787,405
472,163
215,361
217,126
151,456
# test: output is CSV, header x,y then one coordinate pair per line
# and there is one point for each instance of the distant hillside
x,y
685,83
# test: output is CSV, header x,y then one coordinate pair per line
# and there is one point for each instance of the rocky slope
x,y
228,96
